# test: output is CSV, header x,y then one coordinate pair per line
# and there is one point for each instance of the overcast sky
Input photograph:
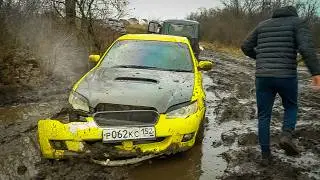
x,y
163,9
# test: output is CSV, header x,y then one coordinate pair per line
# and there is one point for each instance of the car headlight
x,y
182,110
78,101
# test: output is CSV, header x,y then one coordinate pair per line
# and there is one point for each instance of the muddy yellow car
x,y
144,97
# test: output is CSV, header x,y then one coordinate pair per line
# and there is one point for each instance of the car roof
x,y
181,21
154,37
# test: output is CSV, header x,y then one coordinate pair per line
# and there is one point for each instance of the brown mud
x,y
229,149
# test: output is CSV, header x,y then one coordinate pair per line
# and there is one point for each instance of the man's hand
x,y
316,82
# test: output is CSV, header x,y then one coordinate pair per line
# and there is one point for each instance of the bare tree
x,y
251,6
120,7
87,10
308,9
102,9
231,23
234,5
70,8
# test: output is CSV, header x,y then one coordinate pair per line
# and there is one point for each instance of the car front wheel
x,y
200,133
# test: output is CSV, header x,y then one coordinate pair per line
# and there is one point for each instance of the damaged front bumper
x,y
60,140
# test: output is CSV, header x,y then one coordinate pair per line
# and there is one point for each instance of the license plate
x,y
128,133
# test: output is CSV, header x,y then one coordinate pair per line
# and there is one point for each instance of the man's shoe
x,y
288,146
266,159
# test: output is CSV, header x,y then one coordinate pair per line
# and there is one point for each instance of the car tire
x,y
62,113
200,133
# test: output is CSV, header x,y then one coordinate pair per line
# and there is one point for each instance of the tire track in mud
x,y
19,151
225,114
237,109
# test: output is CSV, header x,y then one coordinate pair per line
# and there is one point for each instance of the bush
x,y
231,24
60,50
137,29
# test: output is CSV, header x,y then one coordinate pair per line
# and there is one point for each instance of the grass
x,y
234,51
215,46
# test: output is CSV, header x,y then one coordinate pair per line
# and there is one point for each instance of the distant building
x,y
124,22
113,24
133,21
143,21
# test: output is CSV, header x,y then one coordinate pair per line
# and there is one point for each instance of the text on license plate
x,y
128,133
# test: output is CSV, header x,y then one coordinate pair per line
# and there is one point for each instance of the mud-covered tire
x,y
62,113
200,133
66,115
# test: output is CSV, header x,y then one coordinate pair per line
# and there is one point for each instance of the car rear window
x,y
181,30
162,55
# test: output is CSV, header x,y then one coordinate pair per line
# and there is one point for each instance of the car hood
x,y
137,87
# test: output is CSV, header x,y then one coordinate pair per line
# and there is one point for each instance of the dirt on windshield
x,y
229,149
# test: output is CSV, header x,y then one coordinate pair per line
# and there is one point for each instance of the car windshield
x,y
159,55
181,30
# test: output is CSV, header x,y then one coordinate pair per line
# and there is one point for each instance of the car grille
x,y
120,107
122,118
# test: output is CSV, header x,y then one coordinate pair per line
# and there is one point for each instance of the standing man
x,y
274,44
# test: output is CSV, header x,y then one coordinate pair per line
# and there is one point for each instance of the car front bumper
x,y
59,140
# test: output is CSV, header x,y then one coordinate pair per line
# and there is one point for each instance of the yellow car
x,y
143,97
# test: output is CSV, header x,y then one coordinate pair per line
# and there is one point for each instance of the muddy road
x,y
229,149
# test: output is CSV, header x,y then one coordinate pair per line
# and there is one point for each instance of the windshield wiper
x,y
148,67
178,70
134,66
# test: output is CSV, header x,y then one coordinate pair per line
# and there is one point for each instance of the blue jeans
x,y
266,90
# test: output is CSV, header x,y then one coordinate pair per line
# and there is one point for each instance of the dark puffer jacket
x,y
274,44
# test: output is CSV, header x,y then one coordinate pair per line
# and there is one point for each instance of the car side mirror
x,y
94,58
205,65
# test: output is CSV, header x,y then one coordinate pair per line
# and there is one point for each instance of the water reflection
x,y
186,166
